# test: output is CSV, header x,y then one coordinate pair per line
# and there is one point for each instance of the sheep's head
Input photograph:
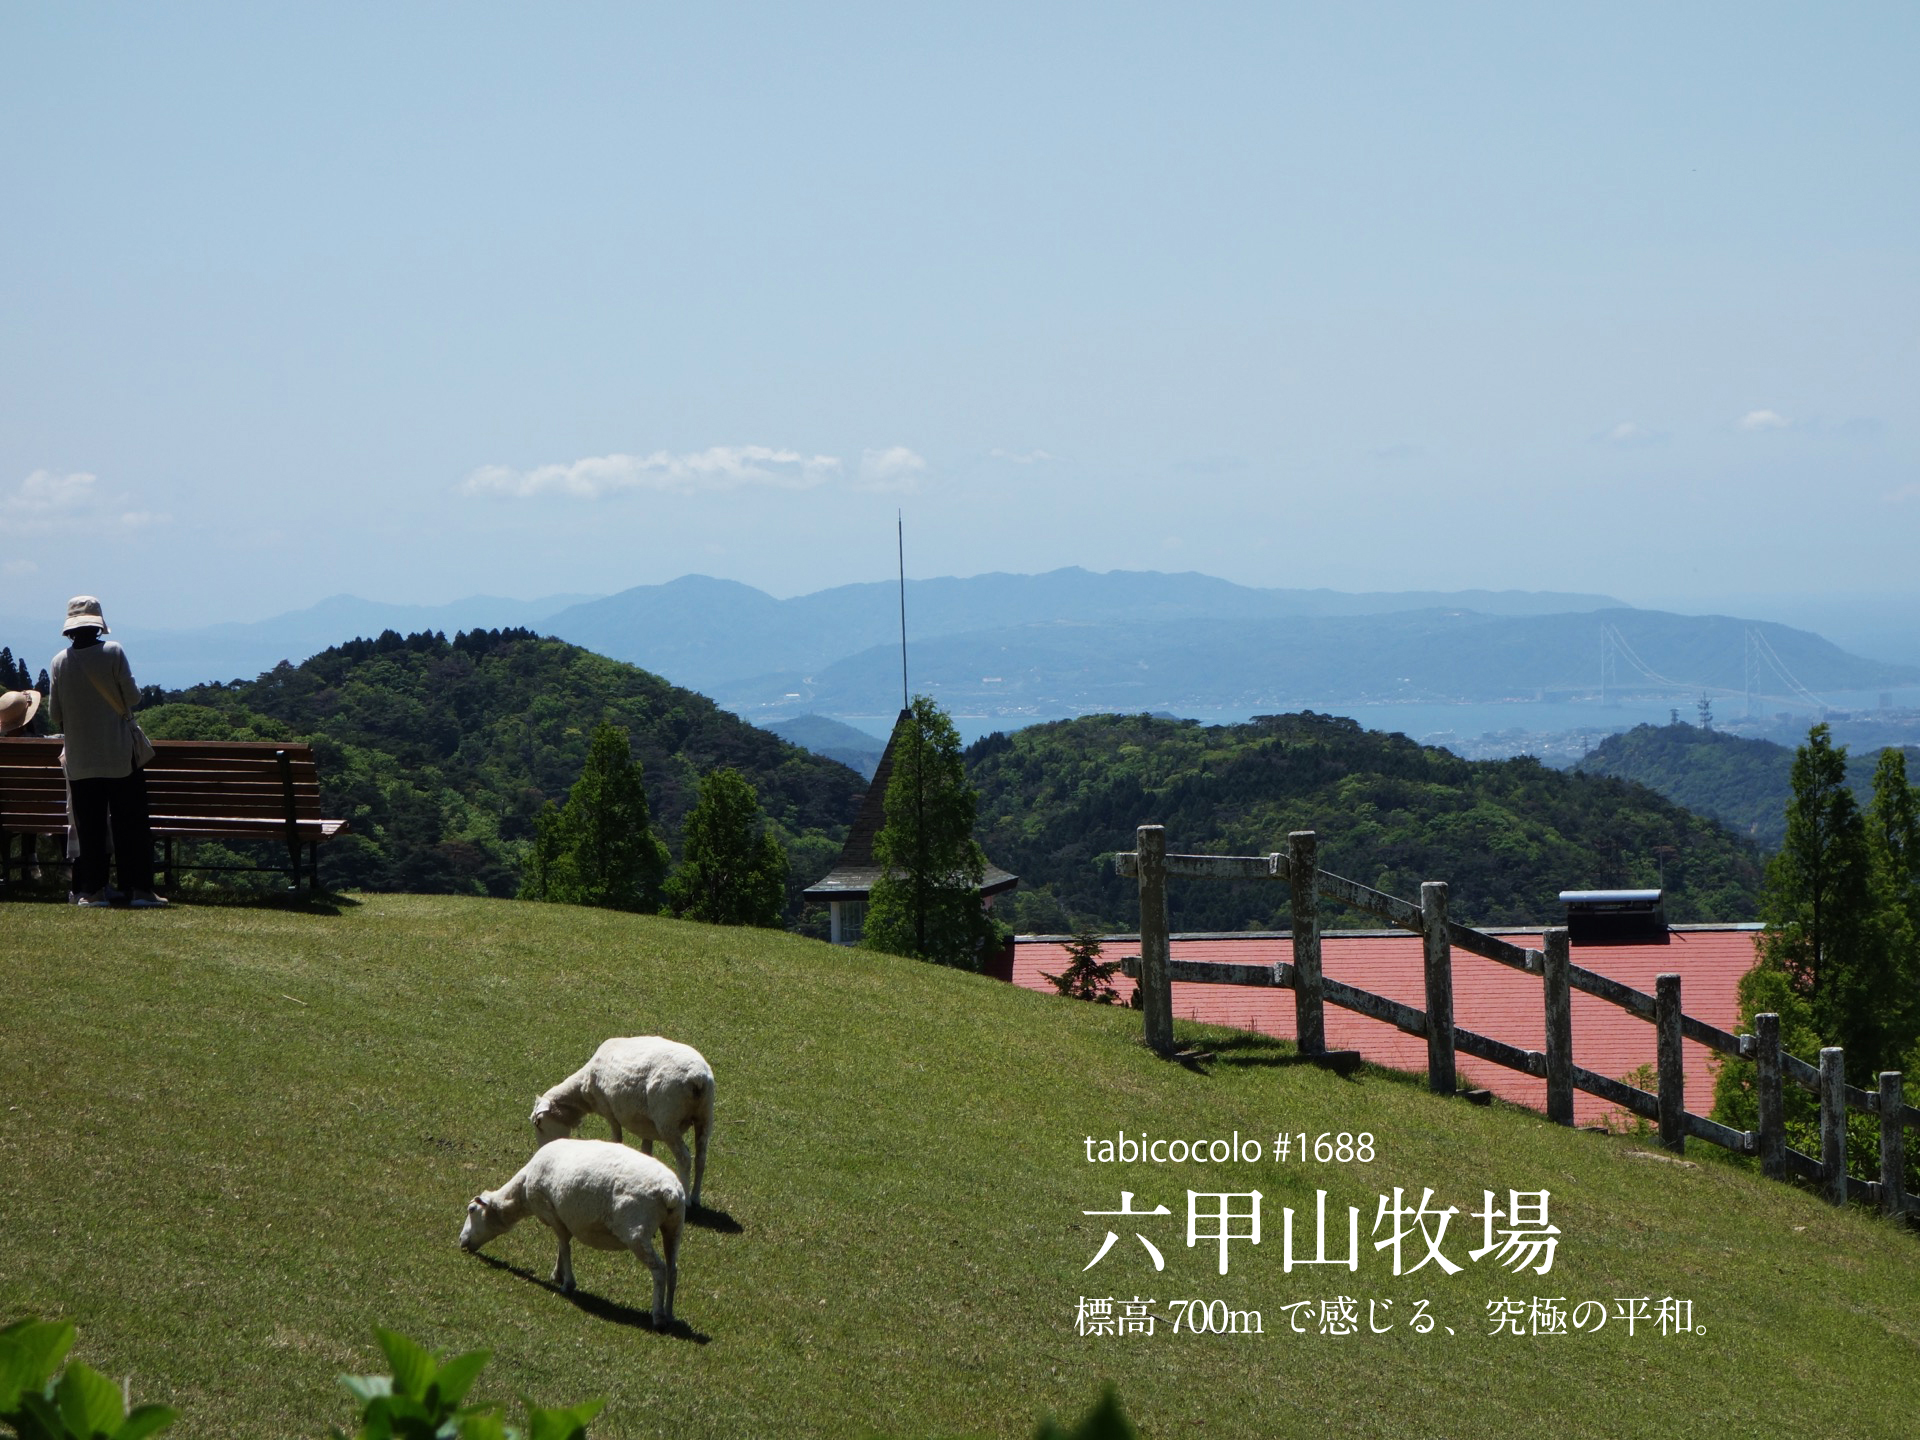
x,y
484,1221
552,1121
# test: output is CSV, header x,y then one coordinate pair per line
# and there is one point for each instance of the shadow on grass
x,y
598,1306
288,901
707,1218
297,903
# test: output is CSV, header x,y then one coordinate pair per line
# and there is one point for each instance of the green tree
x,y
1838,905
1087,976
599,848
734,871
1818,904
926,903
1893,848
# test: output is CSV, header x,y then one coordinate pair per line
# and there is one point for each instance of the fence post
x,y
1833,1123
1766,1083
1439,957
1156,989
1556,964
1893,1145
1673,1074
1309,1004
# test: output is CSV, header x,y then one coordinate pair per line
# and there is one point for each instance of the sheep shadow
x,y
719,1221
598,1306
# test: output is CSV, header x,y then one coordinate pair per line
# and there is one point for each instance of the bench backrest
x,y
187,780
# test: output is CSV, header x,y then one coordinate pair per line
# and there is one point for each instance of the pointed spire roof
x,y
856,872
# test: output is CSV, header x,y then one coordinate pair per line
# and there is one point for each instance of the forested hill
x,y
1741,782
1056,802
441,753
1745,784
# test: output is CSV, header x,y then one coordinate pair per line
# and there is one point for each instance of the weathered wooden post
x,y
1673,1074
1309,1002
1893,1145
1766,1083
1439,957
1833,1123
1556,967
1156,988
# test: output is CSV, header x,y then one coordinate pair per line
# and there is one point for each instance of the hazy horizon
x,y
420,304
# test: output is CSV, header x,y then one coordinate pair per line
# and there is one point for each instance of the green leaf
x,y
146,1420
482,1425
30,1351
413,1367
457,1375
567,1424
89,1402
367,1388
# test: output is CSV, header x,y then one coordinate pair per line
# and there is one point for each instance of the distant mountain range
x,y
1025,647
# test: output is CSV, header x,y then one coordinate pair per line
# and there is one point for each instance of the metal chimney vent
x,y
1615,917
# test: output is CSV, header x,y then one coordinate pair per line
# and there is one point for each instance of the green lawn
x,y
234,1140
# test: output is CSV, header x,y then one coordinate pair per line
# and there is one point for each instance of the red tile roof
x,y
1488,998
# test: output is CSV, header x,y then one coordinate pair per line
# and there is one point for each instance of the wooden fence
x,y
1156,971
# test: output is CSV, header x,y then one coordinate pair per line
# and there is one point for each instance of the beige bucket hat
x,y
83,613
17,709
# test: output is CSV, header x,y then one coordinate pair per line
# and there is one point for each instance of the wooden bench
x,y
196,790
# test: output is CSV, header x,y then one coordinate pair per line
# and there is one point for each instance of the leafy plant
x,y
421,1400
80,1404
1105,1421
1087,976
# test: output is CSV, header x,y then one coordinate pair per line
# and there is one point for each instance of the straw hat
x,y
83,613
17,709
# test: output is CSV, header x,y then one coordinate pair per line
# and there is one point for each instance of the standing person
x,y
90,699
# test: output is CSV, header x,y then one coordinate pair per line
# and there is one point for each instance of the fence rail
x,y
1156,970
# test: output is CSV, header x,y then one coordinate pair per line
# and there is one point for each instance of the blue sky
x,y
422,301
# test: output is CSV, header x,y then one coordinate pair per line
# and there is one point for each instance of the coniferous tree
x,y
926,903
734,871
1833,956
599,848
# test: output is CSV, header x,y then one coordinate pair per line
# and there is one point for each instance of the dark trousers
x,y
117,808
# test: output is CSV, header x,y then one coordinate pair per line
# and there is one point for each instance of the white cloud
x,y
1628,434
45,502
894,469
1903,495
19,567
717,468
1021,457
1764,420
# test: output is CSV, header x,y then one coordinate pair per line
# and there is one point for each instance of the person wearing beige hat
x,y
17,709
90,699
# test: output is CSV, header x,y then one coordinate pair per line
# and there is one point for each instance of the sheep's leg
x,y
616,1129
563,1263
700,1133
682,1161
662,1279
670,1242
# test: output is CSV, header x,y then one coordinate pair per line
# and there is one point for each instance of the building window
x,y
853,921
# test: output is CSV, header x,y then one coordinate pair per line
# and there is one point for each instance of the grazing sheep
x,y
601,1194
656,1088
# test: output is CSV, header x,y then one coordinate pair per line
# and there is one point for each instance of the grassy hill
x,y
1057,800
234,1140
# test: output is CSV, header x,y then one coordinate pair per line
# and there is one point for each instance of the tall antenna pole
x,y
900,535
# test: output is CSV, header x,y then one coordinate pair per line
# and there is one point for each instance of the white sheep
x,y
604,1195
654,1087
